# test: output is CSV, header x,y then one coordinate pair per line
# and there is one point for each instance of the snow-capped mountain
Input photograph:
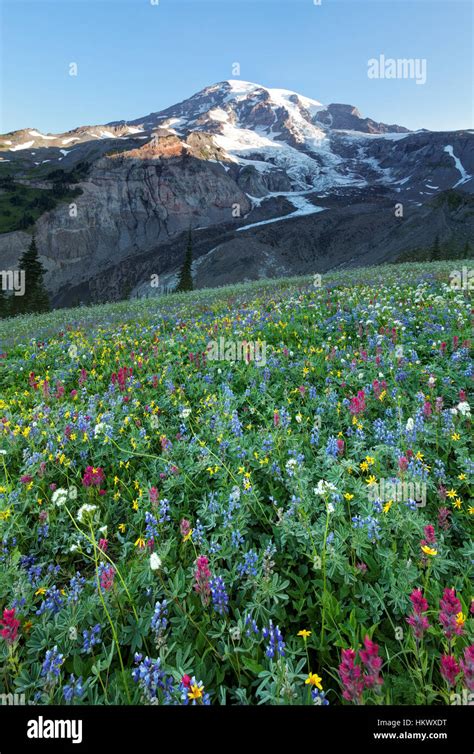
x,y
272,129
230,161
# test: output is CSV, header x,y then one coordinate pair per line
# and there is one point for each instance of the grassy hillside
x,y
182,522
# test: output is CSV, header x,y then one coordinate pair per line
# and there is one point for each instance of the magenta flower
x,y
430,535
443,518
201,579
120,378
107,578
403,463
154,494
378,387
350,674
59,390
357,404
420,604
449,669
417,620
450,607
373,663
184,527
467,665
10,626
93,477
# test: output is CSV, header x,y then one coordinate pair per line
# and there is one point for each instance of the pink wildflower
x,y
417,620
93,477
403,463
373,663
467,665
201,578
350,674
10,626
107,578
449,669
450,607
184,527
357,404
443,518
154,495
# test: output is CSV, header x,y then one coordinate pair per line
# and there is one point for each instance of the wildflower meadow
x,y
185,520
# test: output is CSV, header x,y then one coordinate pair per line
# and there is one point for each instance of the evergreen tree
x,y
186,276
126,290
466,254
436,254
36,297
4,303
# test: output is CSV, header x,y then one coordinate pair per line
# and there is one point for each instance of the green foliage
x,y
22,205
35,298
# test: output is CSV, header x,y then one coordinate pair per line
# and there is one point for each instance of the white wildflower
x,y
464,408
155,562
84,510
59,497
99,428
234,496
410,424
324,487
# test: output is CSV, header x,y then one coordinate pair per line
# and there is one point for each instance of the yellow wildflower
x,y
313,679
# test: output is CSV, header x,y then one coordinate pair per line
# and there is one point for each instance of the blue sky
x,y
134,57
